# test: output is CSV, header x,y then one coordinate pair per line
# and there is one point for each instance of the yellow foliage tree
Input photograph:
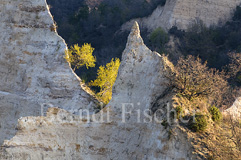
x,y
106,76
80,56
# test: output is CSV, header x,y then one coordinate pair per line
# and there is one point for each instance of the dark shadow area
x,y
97,22
211,44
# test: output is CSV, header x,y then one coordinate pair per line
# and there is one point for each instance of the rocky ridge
x,y
185,13
34,74
62,135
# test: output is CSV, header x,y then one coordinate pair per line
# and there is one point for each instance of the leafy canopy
x,y
106,76
158,39
80,56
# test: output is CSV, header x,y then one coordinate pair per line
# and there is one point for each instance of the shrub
x,y
216,114
193,79
159,38
106,76
199,124
234,68
179,111
80,56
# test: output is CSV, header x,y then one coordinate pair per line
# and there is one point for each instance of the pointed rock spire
x,y
135,36
135,29
141,74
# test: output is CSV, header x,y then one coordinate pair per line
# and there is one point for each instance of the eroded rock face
x,y
235,109
32,68
140,83
184,13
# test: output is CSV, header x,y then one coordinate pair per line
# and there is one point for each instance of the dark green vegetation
x,y
216,114
211,44
158,39
97,22
200,123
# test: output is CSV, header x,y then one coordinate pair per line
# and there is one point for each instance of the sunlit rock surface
x,y
235,109
32,68
140,85
185,13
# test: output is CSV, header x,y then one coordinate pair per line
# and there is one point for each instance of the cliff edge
x,y
185,13
129,130
34,74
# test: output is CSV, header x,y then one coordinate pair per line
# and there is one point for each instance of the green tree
x,y
106,76
158,39
80,56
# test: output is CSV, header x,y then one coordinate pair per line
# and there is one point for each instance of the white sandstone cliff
x,y
141,83
32,68
185,13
